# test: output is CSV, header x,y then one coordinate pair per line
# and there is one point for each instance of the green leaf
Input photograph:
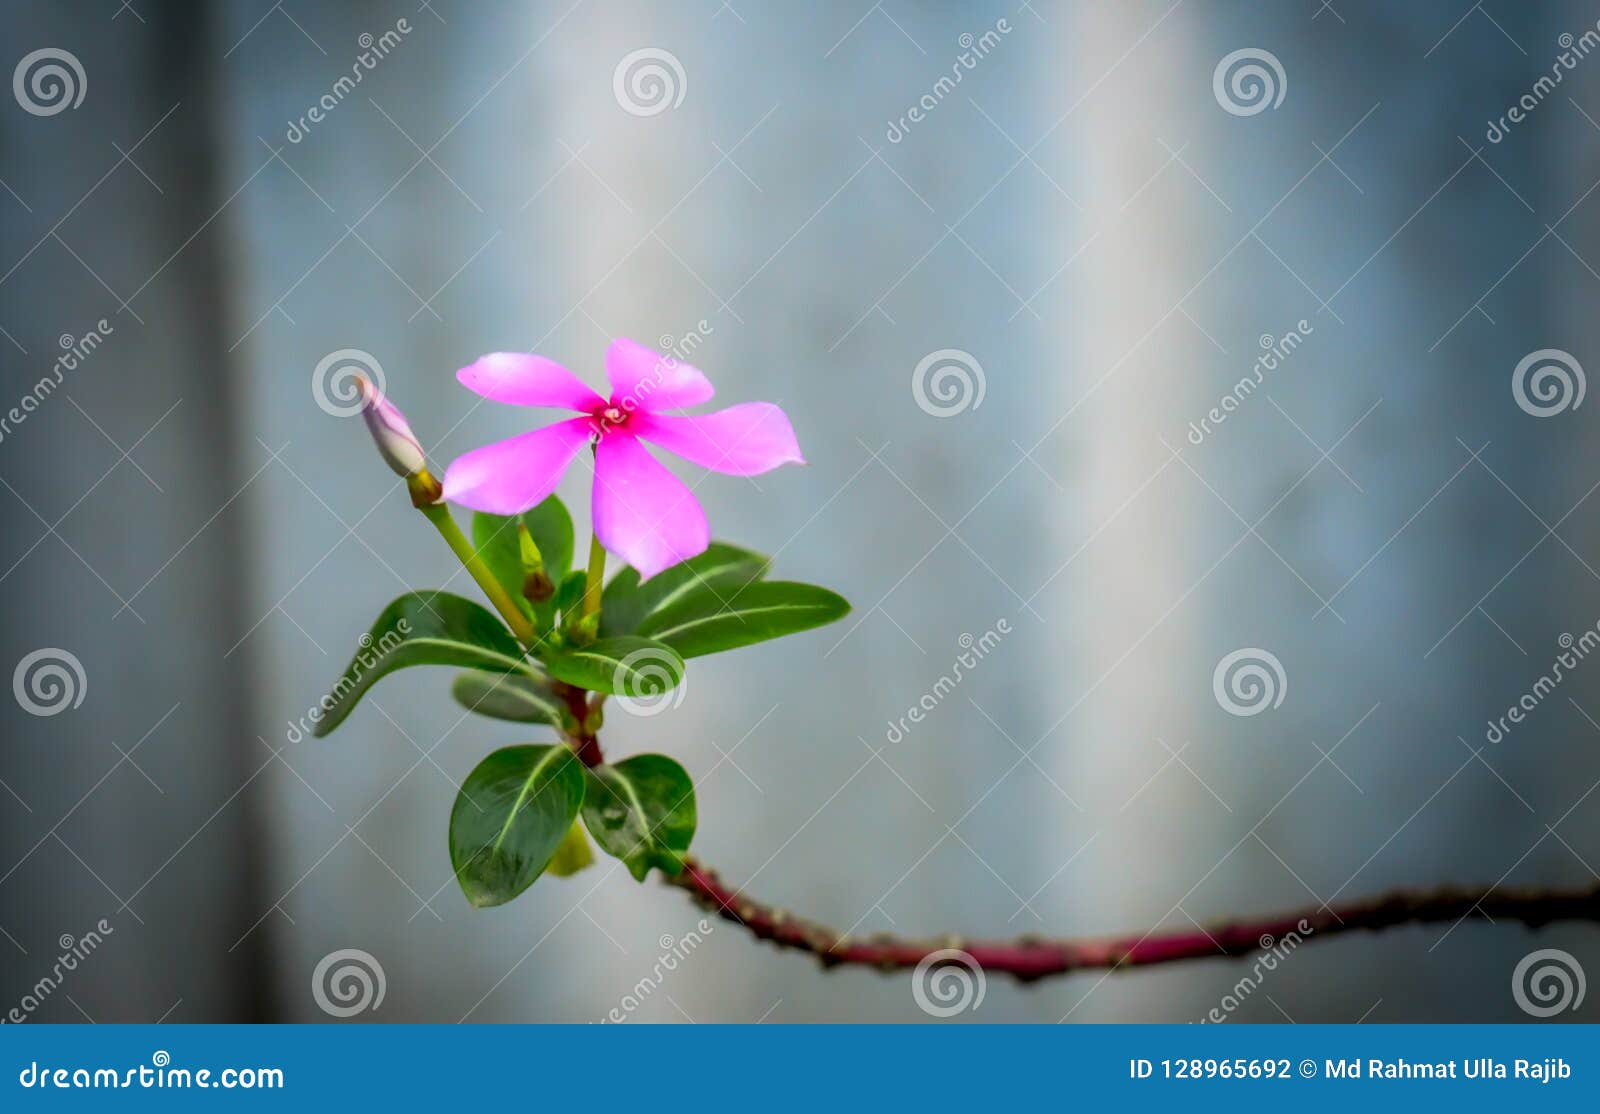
x,y
626,665
718,572
766,609
642,811
498,542
551,527
569,594
513,696
512,815
421,628
573,855
494,536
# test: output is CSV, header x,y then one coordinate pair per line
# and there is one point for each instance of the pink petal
x,y
642,512
511,476
743,440
644,379
523,380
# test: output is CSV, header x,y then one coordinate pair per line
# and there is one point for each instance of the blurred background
x,y
1000,312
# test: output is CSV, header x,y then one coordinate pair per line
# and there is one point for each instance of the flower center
x,y
606,419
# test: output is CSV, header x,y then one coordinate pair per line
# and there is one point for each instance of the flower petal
x,y
743,440
511,476
523,380
642,512
644,379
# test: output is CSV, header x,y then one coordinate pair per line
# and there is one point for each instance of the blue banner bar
x,y
1305,1067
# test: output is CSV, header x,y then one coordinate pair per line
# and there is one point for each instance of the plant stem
x,y
585,742
521,626
1031,957
597,575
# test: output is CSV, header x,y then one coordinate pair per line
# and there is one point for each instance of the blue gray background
x,y
1084,218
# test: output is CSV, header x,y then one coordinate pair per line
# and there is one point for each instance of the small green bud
x,y
587,628
573,854
536,583
531,557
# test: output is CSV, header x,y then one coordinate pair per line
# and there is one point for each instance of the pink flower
x,y
641,512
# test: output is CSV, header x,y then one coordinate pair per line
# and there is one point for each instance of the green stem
x,y
597,574
439,515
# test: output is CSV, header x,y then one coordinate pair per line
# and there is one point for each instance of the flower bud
x,y
537,587
391,432
536,583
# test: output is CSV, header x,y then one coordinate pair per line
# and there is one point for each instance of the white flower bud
x,y
390,431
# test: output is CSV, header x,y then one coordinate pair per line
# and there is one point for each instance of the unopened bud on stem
x,y
397,444
536,583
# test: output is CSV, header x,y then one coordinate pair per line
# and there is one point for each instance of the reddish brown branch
x,y
583,739
1029,958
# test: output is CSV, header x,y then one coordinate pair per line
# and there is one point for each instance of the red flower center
x,y
607,418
